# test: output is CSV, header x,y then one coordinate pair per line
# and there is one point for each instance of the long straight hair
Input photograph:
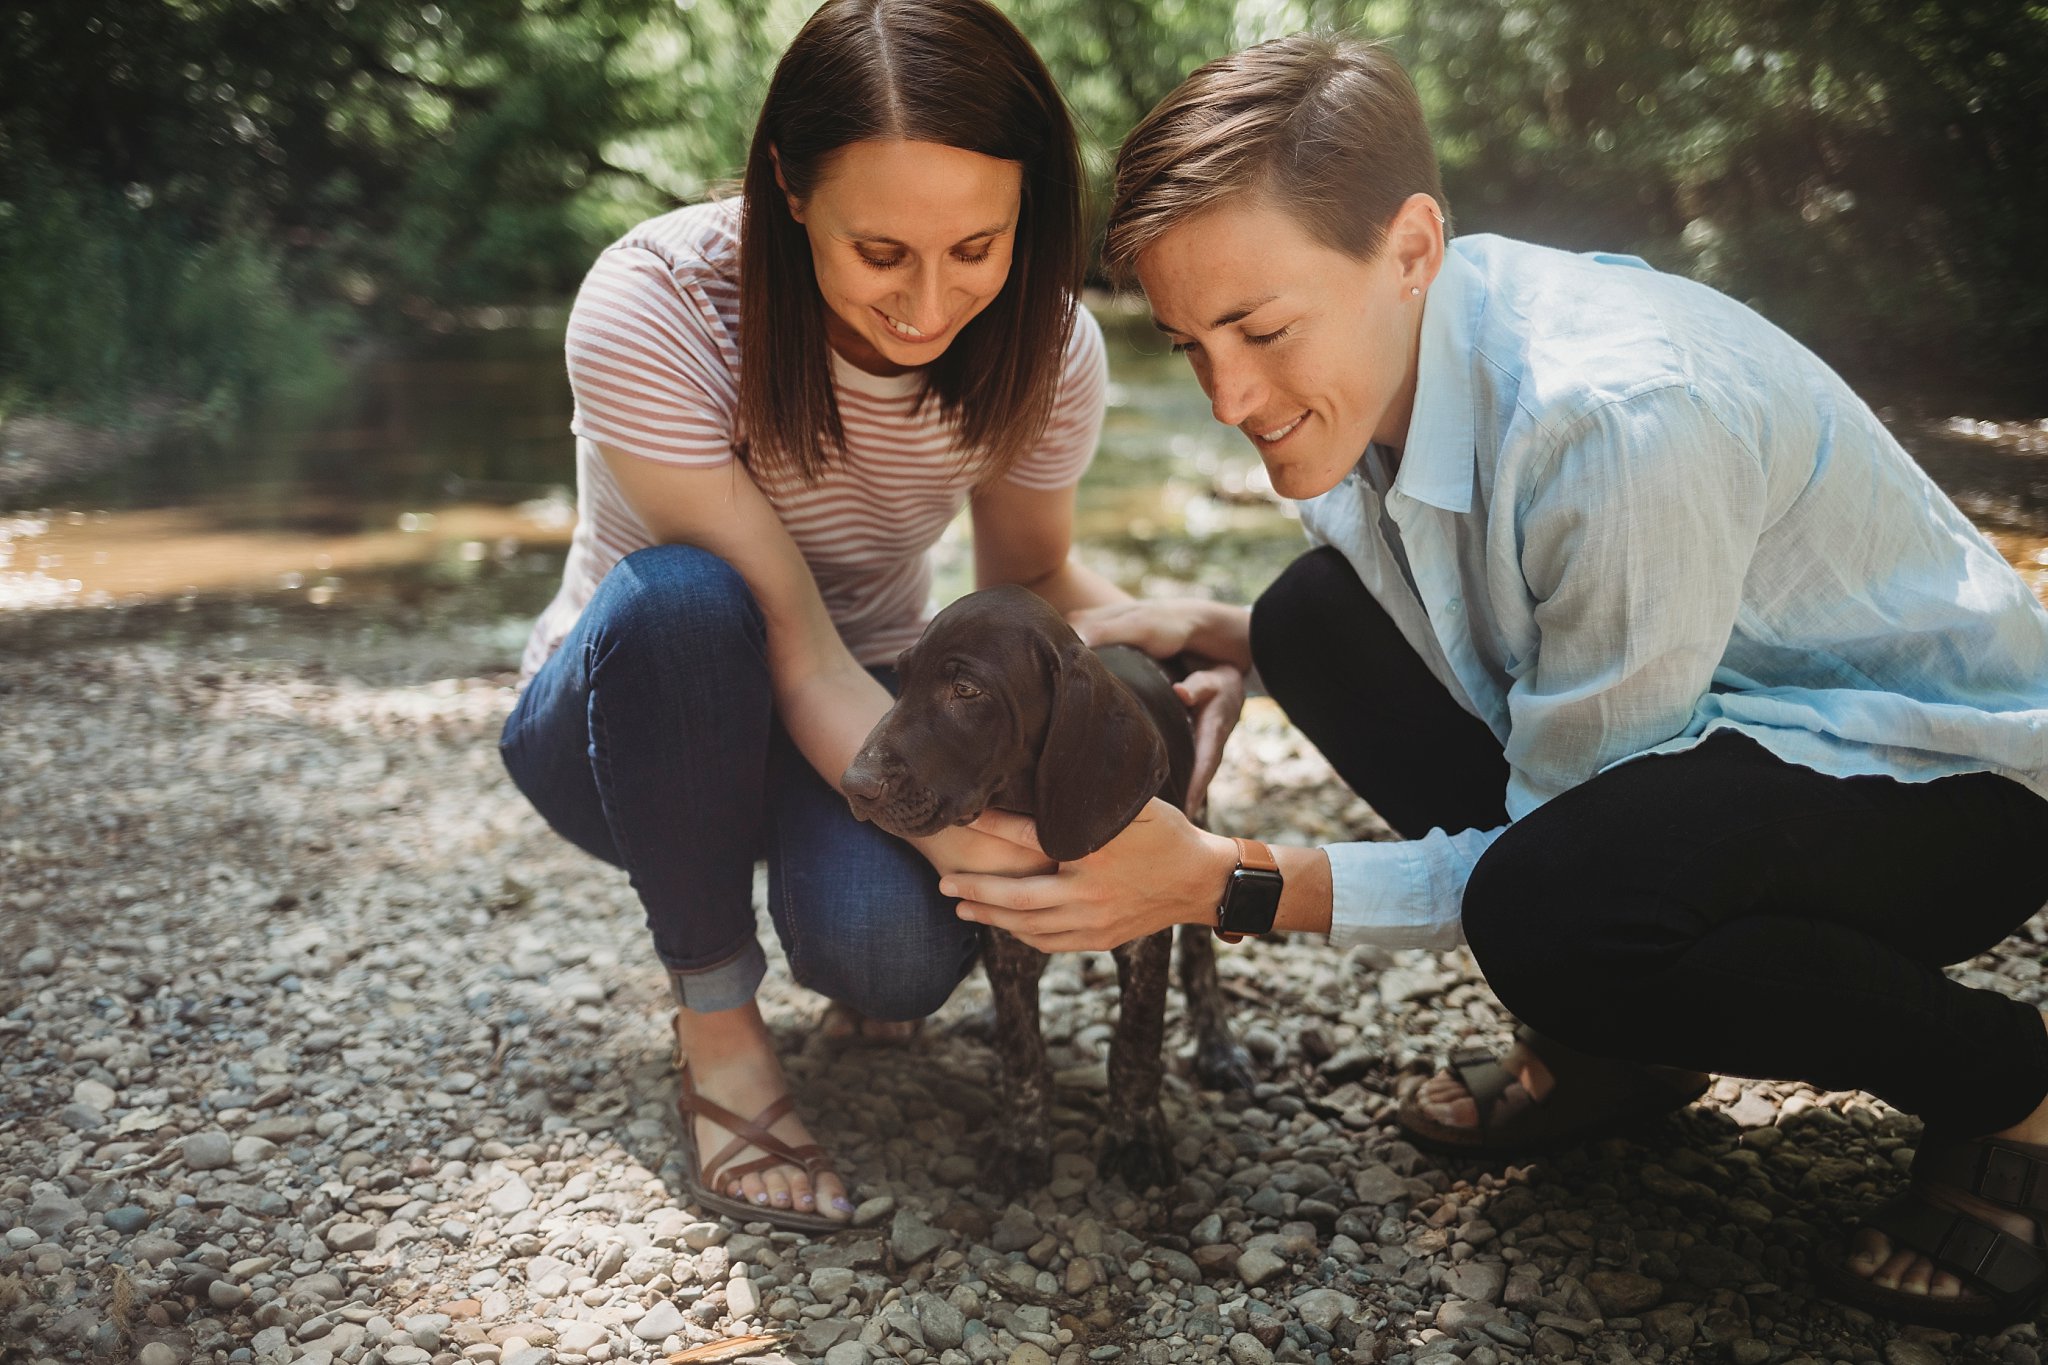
x,y
955,72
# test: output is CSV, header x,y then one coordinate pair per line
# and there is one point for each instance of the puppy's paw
x,y
1014,1164
1139,1152
1222,1063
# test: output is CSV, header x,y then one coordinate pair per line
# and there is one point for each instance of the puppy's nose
x,y
863,782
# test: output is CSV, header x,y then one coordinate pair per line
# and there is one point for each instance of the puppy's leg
x,y
1139,1149
1221,1062
1018,1156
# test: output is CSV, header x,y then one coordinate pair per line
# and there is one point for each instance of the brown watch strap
x,y
1257,856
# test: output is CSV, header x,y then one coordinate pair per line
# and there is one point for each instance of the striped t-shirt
x,y
654,363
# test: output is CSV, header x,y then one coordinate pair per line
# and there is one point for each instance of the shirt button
x,y
1452,605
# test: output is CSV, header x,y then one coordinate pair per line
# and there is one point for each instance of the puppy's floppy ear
x,y
1102,760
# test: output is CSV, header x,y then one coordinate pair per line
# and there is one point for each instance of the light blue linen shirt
x,y
1636,513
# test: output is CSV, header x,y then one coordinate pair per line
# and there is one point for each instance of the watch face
x,y
1250,901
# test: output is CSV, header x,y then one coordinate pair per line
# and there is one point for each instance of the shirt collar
x,y
1437,463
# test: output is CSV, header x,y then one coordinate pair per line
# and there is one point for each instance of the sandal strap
x,y
1484,1079
812,1159
747,1133
2007,1268
2012,1175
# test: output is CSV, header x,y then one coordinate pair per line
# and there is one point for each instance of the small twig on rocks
x,y
163,1158
500,1044
732,1348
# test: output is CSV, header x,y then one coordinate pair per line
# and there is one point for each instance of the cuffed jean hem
x,y
726,986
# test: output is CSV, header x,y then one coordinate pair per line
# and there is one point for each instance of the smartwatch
x,y
1252,895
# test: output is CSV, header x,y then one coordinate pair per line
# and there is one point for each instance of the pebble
x,y
661,1321
94,1095
514,1196
208,1151
156,1353
351,1236
943,1325
1246,1349
702,1236
128,1218
1623,1294
53,1213
1478,1280
1258,1265
1905,1352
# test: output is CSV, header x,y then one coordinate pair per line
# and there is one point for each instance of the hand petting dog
x,y
1159,872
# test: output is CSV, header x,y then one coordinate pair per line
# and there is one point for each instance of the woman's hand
x,y
1160,626
1214,697
1213,634
1160,871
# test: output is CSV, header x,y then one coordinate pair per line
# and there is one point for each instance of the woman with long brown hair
x,y
782,400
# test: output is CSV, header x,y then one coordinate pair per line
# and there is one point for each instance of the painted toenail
x,y
842,1203
760,1199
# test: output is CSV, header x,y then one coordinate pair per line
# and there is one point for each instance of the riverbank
x,y
315,1045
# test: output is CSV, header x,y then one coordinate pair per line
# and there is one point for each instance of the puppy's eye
x,y
964,690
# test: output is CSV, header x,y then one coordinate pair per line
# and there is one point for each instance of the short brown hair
x,y
955,72
1326,125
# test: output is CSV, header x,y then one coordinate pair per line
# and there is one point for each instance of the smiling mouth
x,y
1277,434
903,329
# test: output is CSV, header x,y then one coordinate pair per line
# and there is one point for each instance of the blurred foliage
x,y
192,192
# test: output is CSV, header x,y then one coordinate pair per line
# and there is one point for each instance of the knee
x,y
1529,929
1298,608
675,596
885,977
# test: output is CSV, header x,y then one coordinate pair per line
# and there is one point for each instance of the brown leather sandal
x,y
2004,1277
1590,1096
709,1178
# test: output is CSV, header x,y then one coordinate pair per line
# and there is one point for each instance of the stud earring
x,y
1415,290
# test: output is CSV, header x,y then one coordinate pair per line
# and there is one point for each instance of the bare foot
x,y
844,1023
733,1064
1444,1098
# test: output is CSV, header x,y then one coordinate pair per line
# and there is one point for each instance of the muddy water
x,y
445,474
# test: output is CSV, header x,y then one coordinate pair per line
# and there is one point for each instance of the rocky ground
x,y
316,1046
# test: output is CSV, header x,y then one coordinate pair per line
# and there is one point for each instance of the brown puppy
x,y
1002,706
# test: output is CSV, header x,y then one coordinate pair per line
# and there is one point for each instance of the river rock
x,y
1623,1294
207,1151
659,1322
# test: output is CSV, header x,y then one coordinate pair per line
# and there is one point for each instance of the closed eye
x,y
1261,339
973,256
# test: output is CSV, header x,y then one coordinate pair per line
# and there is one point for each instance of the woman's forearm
x,y
824,698
1222,632
1074,585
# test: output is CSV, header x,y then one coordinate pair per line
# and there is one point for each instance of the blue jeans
x,y
650,740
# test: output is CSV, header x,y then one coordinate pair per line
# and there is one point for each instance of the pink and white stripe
x,y
653,352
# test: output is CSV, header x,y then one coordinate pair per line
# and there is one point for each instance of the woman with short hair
x,y
1710,722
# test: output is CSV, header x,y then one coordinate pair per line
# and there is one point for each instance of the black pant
x,y
1720,909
